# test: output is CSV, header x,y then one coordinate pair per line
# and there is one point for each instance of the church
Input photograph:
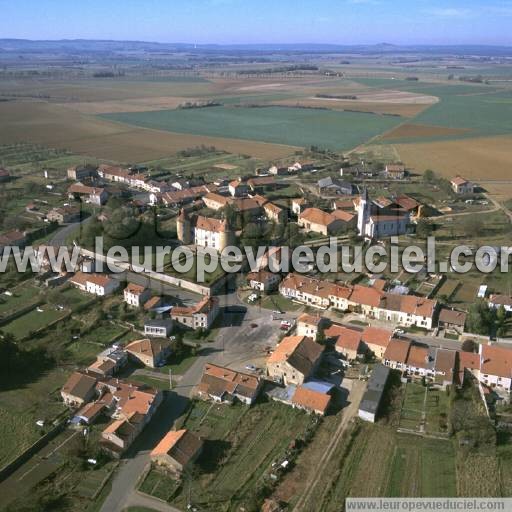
x,y
381,218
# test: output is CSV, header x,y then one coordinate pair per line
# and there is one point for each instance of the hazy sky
x,y
262,21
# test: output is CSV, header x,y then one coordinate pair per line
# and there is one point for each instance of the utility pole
x,y
170,378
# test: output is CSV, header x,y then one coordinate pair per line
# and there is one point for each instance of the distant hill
x,y
102,46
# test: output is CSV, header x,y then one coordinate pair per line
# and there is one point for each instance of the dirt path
x,y
500,206
349,412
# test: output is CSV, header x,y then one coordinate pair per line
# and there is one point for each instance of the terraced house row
x,y
371,301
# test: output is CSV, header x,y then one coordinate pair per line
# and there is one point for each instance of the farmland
x,y
375,461
487,158
277,125
241,445
60,127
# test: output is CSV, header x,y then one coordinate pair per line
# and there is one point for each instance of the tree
x,y
424,228
469,346
501,319
429,176
481,319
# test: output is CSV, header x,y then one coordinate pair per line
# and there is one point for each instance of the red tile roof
x,y
496,361
459,180
377,336
397,350
312,400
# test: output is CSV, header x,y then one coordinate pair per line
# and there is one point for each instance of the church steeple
x,y
363,212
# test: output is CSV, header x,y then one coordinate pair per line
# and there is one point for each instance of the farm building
x,y
177,450
372,398
331,185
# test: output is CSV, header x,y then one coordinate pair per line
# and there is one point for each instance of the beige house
x,y
78,389
309,325
377,340
200,316
294,360
150,352
177,450
93,195
347,341
63,215
225,385
325,223
215,201
299,204
395,171
122,432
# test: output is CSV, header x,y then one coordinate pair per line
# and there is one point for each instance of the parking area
x,y
247,336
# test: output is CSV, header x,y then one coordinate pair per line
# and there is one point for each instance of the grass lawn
x,y
74,298
179,364
150,381
412,406
21,407
422,467
289,126
277,302
33,320
192,274
158,484
105,333
22,295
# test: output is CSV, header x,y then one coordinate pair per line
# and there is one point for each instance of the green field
x,y
289,126
481,109
21,407
22,295
376,461
33,321
422,467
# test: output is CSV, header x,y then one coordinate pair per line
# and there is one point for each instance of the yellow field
x,y
479,158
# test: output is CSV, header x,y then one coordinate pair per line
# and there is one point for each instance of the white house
x,y
136,295
158,328
496,301
495,367
97,284
462,186
263,280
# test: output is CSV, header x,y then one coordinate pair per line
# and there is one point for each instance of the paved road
x,y
59,237
236,342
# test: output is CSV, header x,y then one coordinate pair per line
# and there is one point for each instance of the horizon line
x,y
278,44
